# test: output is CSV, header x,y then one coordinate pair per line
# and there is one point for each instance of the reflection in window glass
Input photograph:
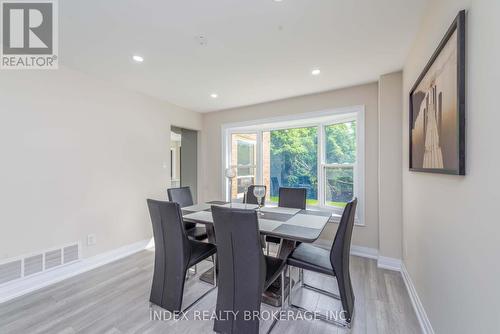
x,y
246,152
340,157
340,143
339,188
290,160
289,157
244,158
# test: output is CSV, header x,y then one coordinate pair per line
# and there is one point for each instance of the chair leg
x,y
215,269
206,293
341,323
283,289
301,276
289,286
197,300
275,321
324,318
324,292
315,289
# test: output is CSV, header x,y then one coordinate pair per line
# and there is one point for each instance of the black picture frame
x,y
458,25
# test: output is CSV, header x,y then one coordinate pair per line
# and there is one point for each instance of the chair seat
x,y
311,258
274,267
200,251
197,233
274,240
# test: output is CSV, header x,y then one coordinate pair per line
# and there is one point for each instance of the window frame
x,y
249,166
323,165
237,166
319,120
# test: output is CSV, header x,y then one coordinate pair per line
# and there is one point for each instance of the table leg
x,y
272,296
208,276
286,247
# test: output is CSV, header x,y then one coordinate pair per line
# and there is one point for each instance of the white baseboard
x,y
389,263
396,265
424,321
370,253
29,284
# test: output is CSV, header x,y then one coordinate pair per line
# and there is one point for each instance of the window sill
x,y
336,214
356,222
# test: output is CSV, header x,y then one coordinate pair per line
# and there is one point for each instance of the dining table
x,y
291,225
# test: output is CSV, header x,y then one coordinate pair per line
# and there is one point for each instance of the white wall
x,y
367,95
79,156
451,227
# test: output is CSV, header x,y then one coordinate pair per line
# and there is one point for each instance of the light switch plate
x,y
91,239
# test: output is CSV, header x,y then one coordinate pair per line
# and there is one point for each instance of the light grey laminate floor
x,y
114,299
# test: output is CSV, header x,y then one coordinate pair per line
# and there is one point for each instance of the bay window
x,y
322,152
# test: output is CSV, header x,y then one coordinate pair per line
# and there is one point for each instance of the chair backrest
x,y
292,198
242,269
172,252
250,198
180,195
339,256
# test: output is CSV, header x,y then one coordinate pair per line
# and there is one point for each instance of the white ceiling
x,y
256,50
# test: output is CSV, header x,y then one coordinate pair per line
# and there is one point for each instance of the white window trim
x,y
319,119
174,163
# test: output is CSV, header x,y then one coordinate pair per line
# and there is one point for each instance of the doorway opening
x,y
184,159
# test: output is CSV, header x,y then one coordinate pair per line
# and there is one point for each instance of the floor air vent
x,y
33,264
53,259
10,271
70,253
20,267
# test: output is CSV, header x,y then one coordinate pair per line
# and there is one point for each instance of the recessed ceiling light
x,y
214,95
138,59
316,71
278,0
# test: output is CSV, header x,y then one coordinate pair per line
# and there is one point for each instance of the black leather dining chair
x,y
175,253
333,262
292,198
289,198
184,197
250,198
244,271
